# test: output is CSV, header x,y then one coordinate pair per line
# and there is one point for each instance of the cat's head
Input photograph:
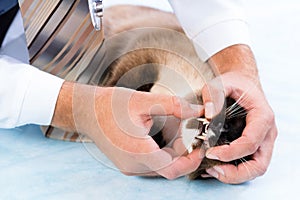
x,y
224,128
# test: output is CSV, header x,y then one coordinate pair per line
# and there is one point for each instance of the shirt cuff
x,y
30,94
220,36
40,99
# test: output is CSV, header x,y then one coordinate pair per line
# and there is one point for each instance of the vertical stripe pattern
x,y
62,41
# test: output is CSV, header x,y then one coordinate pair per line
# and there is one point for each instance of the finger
x,y
164,162
146,174
247,170
213,98
264,154
156,104
179,147
182,165
229,84
248,143
234,174
152,174
206,176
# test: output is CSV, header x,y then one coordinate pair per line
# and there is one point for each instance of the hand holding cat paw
x,y
258,136
118,120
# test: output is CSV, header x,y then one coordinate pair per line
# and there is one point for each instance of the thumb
x,y
172,105
213,98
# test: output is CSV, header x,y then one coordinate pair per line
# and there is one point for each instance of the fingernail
x,y
209,110
211,156
212,172
206,176
219,170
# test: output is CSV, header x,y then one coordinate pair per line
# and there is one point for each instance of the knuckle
x,y
127,173
252,147
195,166
229,180
170,176
232,181
272,117
235,180
175,100
270,120
269,117
275,134
262,170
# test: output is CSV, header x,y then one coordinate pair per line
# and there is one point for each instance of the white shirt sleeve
x,y
212,24
27,95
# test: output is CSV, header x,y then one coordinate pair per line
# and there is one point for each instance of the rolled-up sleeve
x,y
28,95
212,25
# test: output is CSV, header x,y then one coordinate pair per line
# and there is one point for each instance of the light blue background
x,y
33,167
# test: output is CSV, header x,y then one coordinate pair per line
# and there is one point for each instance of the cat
x,y
146,49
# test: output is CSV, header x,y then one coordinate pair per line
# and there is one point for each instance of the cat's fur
x,y
146,49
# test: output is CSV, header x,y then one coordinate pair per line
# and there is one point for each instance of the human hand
x,y
239,79
118,120
258,136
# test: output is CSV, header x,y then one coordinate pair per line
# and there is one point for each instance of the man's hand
x,y
239,80
118,120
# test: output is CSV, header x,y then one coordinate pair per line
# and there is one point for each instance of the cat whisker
x,y
240,115
227,142
233,110
233,106
236,112
244,161
242,101
253,166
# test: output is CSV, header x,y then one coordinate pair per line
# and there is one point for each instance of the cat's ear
x,y
122,18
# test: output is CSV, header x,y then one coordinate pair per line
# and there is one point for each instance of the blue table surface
x,y
33,167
